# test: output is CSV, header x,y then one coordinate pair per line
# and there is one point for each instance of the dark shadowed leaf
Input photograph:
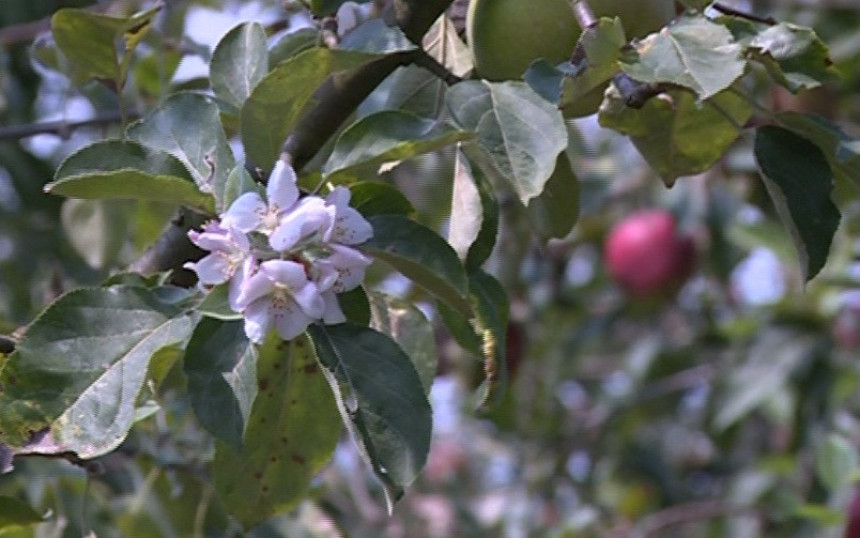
x,y
16,513
420,254
291,434
220,364
555,212
404,323
799,181
381,397
372,198
386,136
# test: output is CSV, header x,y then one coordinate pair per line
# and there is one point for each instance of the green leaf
x,y
794,56
293,43
771,360
291,435
692,52
799,181
87,41
410,89
492,310
355,306
176,126
555,212
220,364
375,36
387,136
216,304
420,254
835,462
444,45
522,133
381,397
371,198
404,323
239,181
97,229
474,213
277,102
239,62
17,513
675,134
127,170
90,43
602,46
81,365
840,150
328,7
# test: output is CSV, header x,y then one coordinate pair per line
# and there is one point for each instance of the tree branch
x,y
61,128
334,102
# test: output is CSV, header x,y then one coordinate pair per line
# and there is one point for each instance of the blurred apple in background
x,y
852,525
647,256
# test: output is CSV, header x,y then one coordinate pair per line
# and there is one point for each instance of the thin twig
x,y
728,10
61,128
651,526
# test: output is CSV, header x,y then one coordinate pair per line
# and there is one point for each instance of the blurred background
x,y
725,406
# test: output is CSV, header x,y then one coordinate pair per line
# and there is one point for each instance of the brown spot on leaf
x,y
263,384
298,459
310,369
258,476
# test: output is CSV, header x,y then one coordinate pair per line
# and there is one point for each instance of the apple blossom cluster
x,y
284,258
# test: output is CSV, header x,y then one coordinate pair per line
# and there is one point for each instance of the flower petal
x,y
281,190
290,321
309,217
350,265
212,269
254,287
308,297
350,227
333,313
244,213
238,283
285,272
258,320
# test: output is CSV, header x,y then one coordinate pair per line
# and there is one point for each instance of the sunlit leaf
x,y
522,133
675,134
127,170
239,62
474,213
81,365
291,434
692,52
188,126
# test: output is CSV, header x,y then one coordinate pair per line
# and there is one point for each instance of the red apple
x,y
647,256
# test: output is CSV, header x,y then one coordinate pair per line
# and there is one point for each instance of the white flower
x,y
306,223
348,227
348,264
250,213
279,294
230,258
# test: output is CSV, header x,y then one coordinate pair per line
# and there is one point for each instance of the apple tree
x,y
200,274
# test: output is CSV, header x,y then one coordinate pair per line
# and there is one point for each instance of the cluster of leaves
x,y
91,365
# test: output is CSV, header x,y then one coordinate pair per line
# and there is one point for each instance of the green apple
x,y
505,36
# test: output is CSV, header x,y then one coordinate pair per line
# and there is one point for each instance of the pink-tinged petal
x,y
324,274
240,240
212,269
238,283
309,299
244,213
254,288
289,319
350,228
213,241
350,265
309,217
287,273
338,197
281,190
258,320
333,313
